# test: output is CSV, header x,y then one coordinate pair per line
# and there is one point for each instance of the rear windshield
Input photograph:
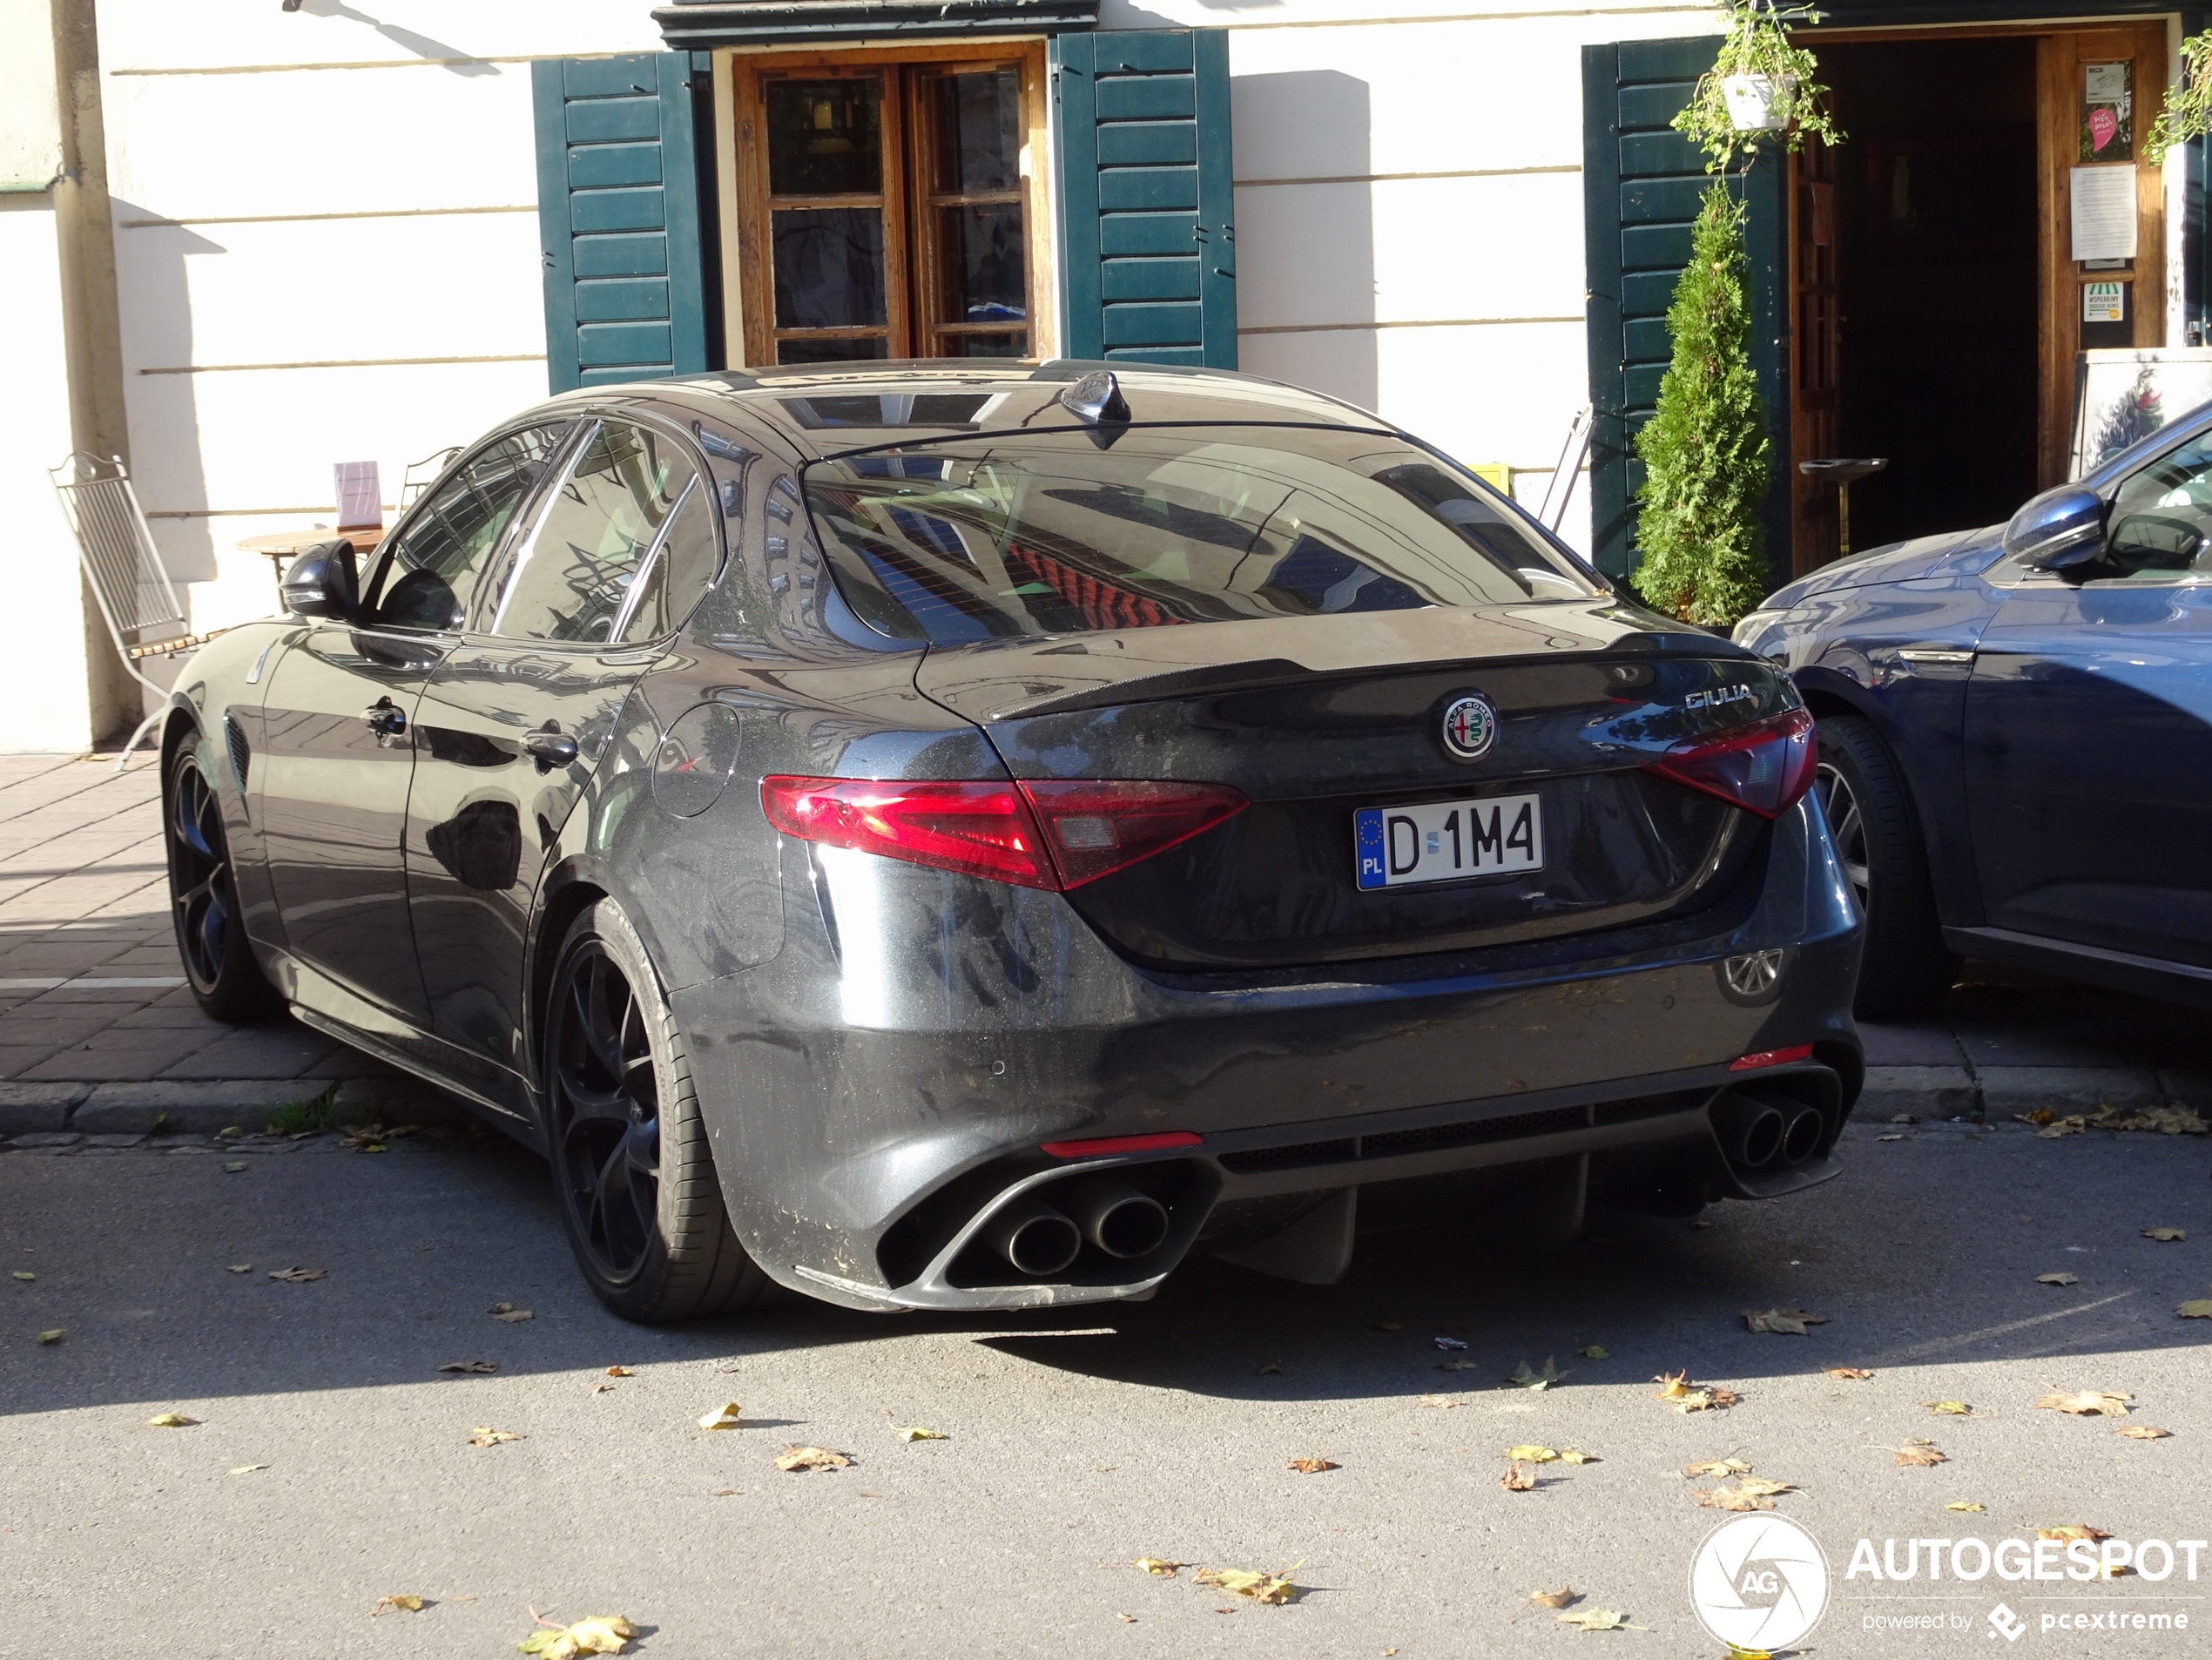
x,y
1051,533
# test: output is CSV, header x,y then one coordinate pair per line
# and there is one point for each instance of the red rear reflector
x,y
1771,1057
1096,827
1765,767
1090,827
1121,1144
976,829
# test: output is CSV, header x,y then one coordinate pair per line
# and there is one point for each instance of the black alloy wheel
x,y
638,1192
1905,965
608,1115
225,981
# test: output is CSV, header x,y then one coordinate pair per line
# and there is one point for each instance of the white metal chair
x,y
115,549
420,475
1572,453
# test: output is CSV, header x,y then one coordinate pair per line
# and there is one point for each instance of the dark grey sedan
x,y
946,836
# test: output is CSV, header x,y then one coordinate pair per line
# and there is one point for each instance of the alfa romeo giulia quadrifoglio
x,y
962,836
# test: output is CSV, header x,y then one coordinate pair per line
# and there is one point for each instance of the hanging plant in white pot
x,y
1760,83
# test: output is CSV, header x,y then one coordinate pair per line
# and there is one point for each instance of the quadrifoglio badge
x,y
1763,1581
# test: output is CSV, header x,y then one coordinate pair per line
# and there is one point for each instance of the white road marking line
x,y
162,983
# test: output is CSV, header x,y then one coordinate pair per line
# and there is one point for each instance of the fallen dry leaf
x,y
1461,1364
1889,1137
1594,1619
514,1316
1850,1373
1518,1478
236,1167
241,1267
1261,1587
916,1432
1312,1466
722,1417
1126,1619
2165,1121
1967,1505
810,1458
600,1634
1525,1378
1920,1455
2073,1530
2143,1432
55,1336
1904,1119
470,1366
1949,1408
2164,1236
1685,1396
1441,1403
246,1469
1593,1352
1762,1488
412,1604
620,1371
1719,1466
22,1275
170,1421
500,1308
2058,1279
2089,1403
298,1275
487,1436
1782,1322
1558,1598
1533,1454
1160,1566
2197,1308
1731,1498
1569,1455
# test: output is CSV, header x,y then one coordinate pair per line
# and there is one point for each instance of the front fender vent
x,y
241,751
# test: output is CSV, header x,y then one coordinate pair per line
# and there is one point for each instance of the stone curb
x,y
29,1108
203,1108
1997,1092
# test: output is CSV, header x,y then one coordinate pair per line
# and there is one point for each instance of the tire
x,y
220,966
1904,966
631,1167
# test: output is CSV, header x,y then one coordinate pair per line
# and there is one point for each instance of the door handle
x,y
385,719
549,747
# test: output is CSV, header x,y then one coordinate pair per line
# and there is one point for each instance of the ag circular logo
x,y
1759,1582
1470,725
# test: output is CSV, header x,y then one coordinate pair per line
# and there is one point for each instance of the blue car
x,y
2015,732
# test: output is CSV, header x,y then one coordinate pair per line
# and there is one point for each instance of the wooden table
x,y
282,549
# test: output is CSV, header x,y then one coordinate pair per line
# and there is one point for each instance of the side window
x,y
428,571
601,536
2161,519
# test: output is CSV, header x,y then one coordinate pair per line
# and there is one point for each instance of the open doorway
x,y
1937,300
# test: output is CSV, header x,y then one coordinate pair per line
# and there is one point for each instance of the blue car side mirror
x,y
2059,529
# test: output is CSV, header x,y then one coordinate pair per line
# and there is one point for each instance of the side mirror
x,y
322,581
2058,530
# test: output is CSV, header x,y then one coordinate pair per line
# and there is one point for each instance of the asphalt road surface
x,y
331,1465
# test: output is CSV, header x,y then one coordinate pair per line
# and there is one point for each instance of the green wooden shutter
x,y
1642,183
619,209
1147,227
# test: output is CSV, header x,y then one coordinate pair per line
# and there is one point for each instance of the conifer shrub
x,y
1705,451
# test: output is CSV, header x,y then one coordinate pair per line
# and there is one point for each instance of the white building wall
x,y
49,705
327,251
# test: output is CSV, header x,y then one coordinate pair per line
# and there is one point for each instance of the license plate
x,y
1442,841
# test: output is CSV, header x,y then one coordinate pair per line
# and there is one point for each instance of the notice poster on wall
x,y
2104,302
2107,112
2103,203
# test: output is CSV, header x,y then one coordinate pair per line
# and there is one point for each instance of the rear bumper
x,y
882,1089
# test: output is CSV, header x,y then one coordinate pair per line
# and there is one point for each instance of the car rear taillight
x,y
1054,834
1765,767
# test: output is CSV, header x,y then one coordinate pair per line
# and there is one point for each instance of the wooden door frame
x,y
747,299
2058,282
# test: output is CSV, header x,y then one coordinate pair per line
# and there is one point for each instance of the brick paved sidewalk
x,y
91,989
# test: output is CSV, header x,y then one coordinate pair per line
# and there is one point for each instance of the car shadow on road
x,y
1925,1252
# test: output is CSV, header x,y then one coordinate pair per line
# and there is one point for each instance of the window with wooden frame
x,y
887,205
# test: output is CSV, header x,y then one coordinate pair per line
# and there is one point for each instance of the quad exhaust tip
x,y
1801,1139
1038,1240
1118,1219
1752,1133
